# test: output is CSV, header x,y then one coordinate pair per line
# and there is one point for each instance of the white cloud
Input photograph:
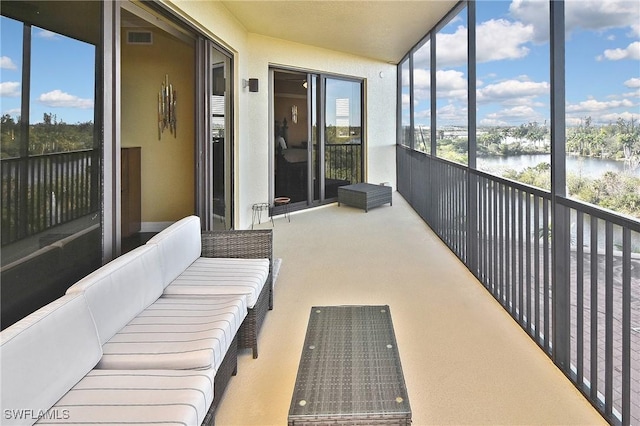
x,y
519,114
10,89
534,14
46,34
58,98
451,113
452,48
7,64
512,92
630,52
633,83
613,117
598,15
500,39
450,80
405,100
451,84
592,15
421,79
595,106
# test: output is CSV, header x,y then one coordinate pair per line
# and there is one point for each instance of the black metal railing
x,y
579,300
343,162
43,191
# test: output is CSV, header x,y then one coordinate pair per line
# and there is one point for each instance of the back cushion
x,y
121,289
180,245
44,355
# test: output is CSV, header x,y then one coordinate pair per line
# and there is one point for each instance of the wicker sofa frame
x,y
228,368
245,244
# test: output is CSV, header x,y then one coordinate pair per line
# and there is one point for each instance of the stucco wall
x,y
253,54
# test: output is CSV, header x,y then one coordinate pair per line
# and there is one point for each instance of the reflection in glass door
x,y
51,164
342,134
220,184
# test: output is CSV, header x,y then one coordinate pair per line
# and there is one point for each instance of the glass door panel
x,y
342,134
52,144
220,145
291,135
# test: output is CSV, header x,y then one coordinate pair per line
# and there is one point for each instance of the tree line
x,y
49,137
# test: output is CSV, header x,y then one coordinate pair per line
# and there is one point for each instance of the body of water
x,y
585,166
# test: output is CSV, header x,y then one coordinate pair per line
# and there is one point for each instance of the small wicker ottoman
x,y
364,195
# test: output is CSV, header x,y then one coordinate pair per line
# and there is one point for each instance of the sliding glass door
x,y
52,151
317,136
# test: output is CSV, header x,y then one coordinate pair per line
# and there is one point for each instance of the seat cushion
x,y
121,289
180,245
136,397
177,333
43,355
220,276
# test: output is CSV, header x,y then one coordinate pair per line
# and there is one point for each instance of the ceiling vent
x,y
139,37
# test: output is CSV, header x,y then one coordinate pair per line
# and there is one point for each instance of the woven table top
x,y
350,369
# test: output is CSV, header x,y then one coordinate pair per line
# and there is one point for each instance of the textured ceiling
x,y
383,30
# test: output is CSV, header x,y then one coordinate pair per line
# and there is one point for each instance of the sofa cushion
x,y
218,276
136,397
180,244
177,333
121,289
44,355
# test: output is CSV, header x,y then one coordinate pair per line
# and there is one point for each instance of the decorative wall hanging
x,y
166,108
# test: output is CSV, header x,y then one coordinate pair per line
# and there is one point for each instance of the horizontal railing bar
x,y
51,154
599,212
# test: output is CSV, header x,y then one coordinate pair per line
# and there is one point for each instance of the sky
x,y
602,64
513,83
62,79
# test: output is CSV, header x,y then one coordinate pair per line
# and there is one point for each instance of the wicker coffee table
x,y
350,370
364,195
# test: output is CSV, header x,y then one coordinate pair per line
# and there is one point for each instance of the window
x,y
422,97
513,92
405,108
451,90
602,109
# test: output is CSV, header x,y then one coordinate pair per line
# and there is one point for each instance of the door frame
x,y
320,105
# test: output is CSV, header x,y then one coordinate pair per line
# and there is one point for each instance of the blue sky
x,y
602,57
62,80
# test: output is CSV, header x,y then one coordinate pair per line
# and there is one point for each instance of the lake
x,y
587,166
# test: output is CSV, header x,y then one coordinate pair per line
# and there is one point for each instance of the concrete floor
x,y
465,360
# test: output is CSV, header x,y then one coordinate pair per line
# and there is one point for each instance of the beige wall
x,y
253,54
167,164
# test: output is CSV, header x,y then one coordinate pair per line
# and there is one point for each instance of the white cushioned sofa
x,y
218,263
143,339
49,376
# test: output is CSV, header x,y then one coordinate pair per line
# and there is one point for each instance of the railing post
x,y
23,192
472,178
561,238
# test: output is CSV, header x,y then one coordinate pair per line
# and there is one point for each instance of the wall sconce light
x,y
252,83
304,84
